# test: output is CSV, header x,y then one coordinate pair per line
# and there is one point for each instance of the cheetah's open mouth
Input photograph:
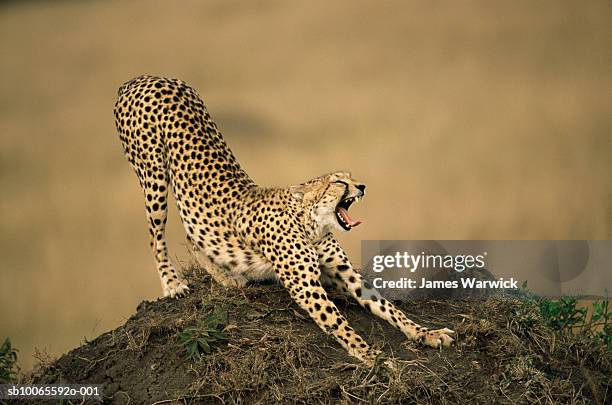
x,y
342,215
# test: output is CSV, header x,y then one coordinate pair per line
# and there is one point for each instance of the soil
x,y
275,353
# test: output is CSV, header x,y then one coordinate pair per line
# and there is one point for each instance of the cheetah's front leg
x,y
337,267
302,281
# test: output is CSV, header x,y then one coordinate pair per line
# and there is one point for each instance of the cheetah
x,y
239,231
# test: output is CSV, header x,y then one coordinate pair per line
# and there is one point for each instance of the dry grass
x,y
465,120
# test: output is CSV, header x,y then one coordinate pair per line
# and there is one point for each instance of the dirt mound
x,y
275,353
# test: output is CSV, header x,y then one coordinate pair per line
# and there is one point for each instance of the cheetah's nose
x,y
361,188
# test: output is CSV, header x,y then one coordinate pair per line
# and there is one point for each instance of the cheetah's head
x,y
329,198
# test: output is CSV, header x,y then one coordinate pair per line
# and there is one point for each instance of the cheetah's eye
x,y
342,182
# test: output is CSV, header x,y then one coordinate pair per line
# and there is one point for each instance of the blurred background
x,y
467,120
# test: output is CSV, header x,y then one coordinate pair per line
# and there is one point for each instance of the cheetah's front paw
x,y
176,288
437,338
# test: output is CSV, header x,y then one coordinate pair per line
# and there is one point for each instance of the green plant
x,y
197,339
602,318
565,314
8,358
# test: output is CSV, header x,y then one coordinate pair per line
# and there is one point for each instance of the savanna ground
x,y
467,120
273,353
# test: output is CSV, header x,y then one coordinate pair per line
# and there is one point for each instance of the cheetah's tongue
x,y
347,218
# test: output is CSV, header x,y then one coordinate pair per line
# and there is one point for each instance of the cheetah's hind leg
x,y
154,183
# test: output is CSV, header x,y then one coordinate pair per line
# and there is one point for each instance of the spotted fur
x,y
239,231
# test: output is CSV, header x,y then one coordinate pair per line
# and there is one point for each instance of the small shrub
x,y
564,315
199,338
8,358
601,317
